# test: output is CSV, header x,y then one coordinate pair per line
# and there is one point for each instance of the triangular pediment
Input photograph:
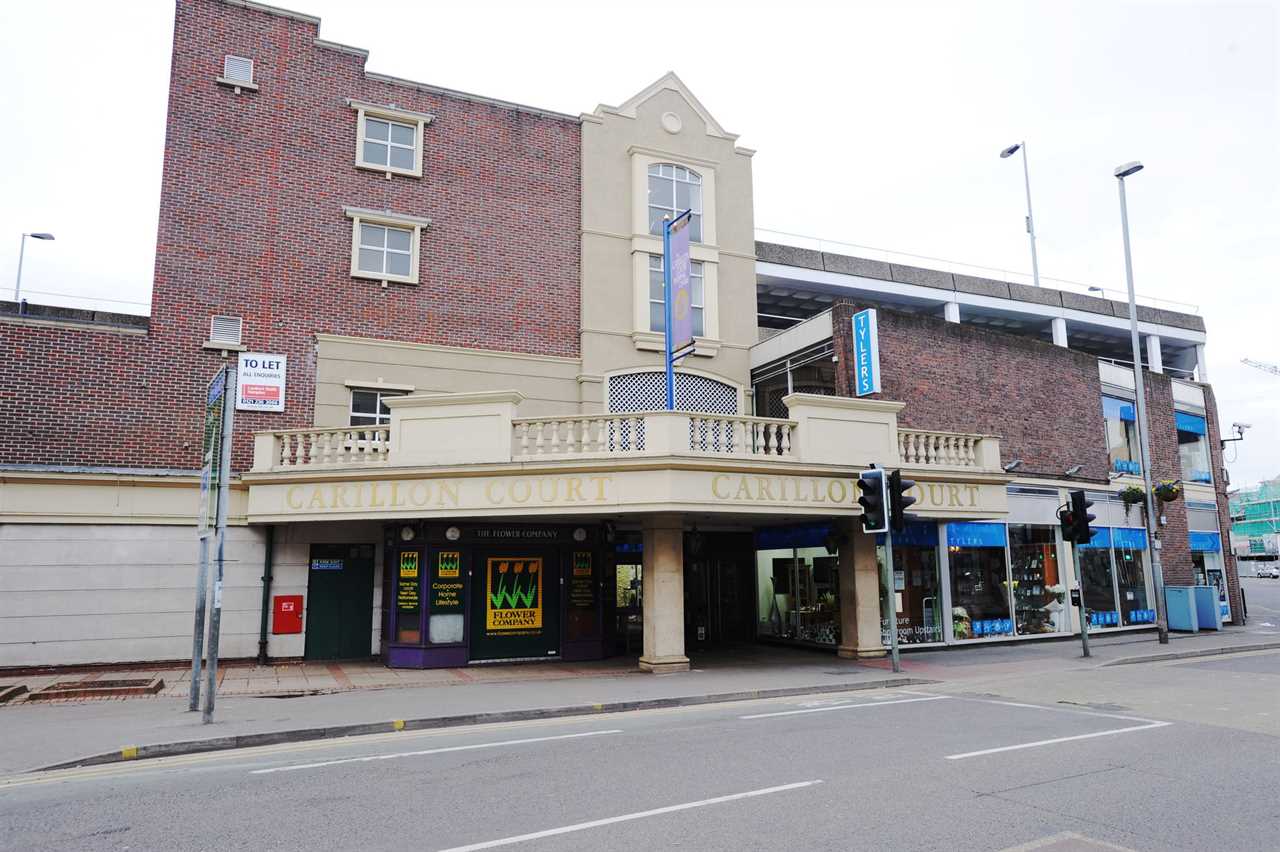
x,y
668,81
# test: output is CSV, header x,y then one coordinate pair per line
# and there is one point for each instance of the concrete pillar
x,y
1155,358
859,595
664,595
1202,366
951,312
1059,326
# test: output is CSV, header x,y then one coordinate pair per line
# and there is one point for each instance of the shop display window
x,y
798,593
1097,581
980,605
1038,593
916,583
1131,576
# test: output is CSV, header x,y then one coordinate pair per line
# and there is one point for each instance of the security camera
x,y
1240,427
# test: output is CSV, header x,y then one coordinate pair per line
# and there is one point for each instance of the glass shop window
x,y
1193,447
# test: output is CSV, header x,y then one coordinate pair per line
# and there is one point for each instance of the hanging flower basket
x,y
1132,496
1167,490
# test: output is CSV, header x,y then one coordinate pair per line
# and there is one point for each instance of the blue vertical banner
x,y
681,288
866,353
677,310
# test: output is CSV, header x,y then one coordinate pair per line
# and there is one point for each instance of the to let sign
x,y
261,385
866,353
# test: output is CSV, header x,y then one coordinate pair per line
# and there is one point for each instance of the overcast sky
x,y
876,123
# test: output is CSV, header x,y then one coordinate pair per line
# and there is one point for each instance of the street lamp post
x,y
1031,223
22,250
1144,441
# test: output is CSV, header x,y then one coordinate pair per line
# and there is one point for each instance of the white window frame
x,y
381,393
417,120
644,244
414,224
693,178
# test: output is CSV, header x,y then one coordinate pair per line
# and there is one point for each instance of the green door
x,y
340,602
515,603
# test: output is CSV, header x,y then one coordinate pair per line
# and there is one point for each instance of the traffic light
x,y
1067,521
1080,518
874,487
899,501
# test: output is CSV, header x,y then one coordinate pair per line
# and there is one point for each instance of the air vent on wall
x,y
225,330
237,73
237,69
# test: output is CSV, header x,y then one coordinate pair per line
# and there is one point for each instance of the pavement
x,y
269,704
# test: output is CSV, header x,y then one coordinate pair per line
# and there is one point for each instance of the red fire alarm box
x,y
287,614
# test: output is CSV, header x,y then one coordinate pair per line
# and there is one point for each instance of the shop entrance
x,y
339,602
515,603
719,606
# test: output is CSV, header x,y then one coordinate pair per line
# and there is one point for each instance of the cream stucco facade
x,y
663,124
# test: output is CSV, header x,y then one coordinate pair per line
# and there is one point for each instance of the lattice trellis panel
x,y
648,392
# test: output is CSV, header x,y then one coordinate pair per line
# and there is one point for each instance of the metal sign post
x,y
207,515
215,617
1078,594
891,601
677,228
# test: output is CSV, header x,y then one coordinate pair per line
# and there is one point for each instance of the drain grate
x,y
118,688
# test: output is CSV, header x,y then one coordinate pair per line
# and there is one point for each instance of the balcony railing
x,y
348,446
481,428
652,433
918,448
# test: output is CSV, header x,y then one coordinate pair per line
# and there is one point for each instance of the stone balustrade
x,y
481,428
652,433
920,448
347,446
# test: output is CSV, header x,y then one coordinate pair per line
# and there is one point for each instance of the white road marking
x,y
844,707
596,823
421,752
1056,740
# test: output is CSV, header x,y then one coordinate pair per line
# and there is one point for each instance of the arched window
x,y
674,189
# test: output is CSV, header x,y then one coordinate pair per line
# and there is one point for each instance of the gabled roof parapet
x,y
670,81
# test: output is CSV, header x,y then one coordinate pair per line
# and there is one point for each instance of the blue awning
x,y
917,534
975,534
1205,542
1118,409
799,535
1101,538
1134,539
1192,423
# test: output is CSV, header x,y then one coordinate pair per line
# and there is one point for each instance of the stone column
x,y
1155,359
663,592
1202,366
1059,327
859,595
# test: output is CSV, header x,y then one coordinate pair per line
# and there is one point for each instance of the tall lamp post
x,y
1144,441
17,287
1031,223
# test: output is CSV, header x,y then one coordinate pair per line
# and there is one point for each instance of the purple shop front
x,y
464,594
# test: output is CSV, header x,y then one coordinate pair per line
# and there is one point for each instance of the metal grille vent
x,y
647,392
226,330
237,68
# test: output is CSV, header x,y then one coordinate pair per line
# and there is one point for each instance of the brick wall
x,y
962,378
252,225
1043,401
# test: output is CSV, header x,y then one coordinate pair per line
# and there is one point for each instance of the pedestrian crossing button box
x,y
286,614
